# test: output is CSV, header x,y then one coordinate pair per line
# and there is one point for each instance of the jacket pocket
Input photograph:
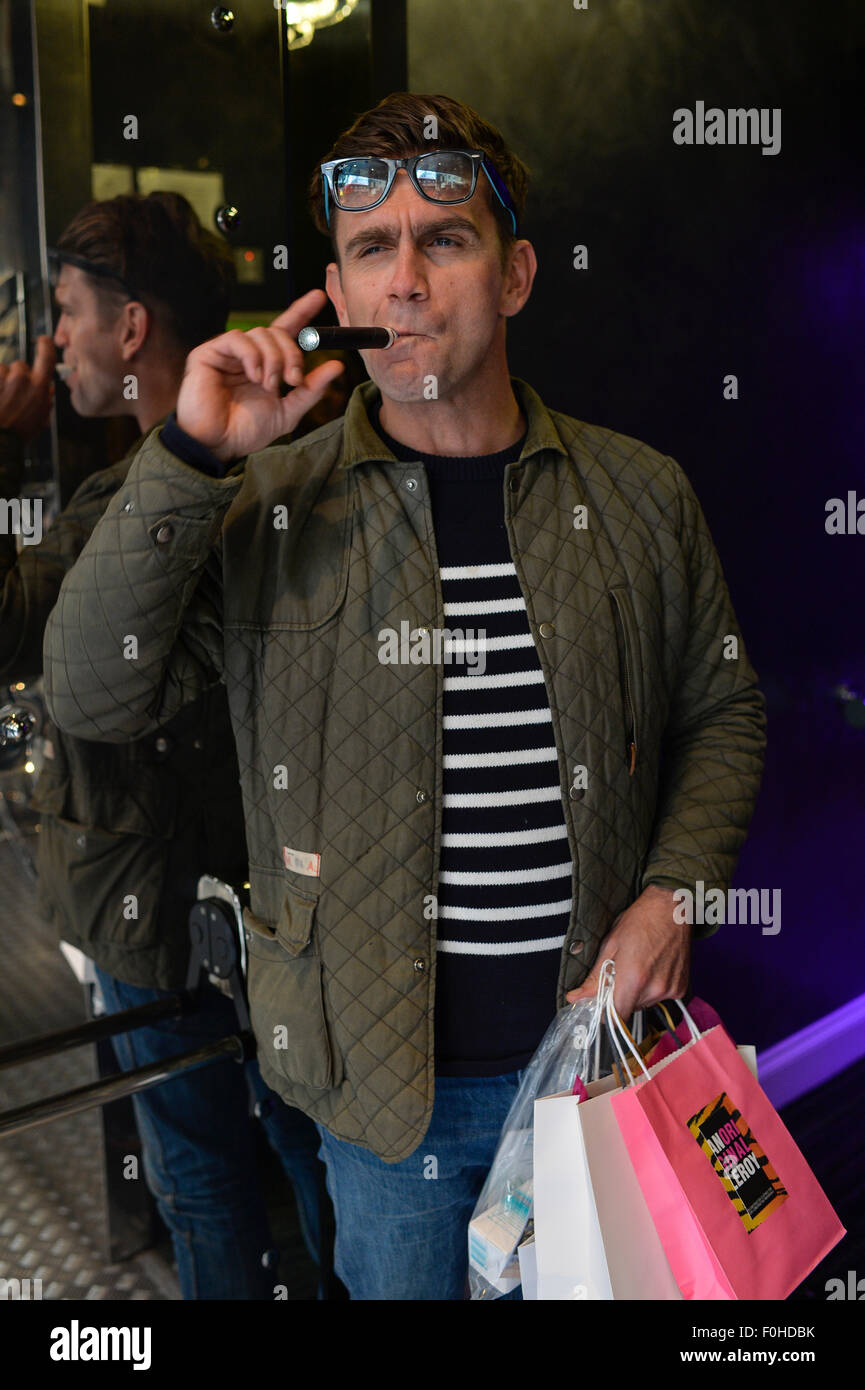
x,y
109,786
286,996
628,646
100,886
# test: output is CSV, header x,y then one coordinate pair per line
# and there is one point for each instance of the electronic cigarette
x,y
355,338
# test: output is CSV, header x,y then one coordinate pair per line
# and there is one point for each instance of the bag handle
x,y
604,1007
694,1030
605,983
617,1030
615,1025
667,1018
593,1053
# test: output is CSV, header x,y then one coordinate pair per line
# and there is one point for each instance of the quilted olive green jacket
x,y
143,818
279,580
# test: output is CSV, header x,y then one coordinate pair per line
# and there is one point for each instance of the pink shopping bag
x,y
739,1212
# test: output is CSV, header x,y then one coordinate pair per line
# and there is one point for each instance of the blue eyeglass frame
x,y
477,157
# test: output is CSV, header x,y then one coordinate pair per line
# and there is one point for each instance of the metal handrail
x,y
240,1046
94,1030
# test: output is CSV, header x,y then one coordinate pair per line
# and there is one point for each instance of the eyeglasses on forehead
x,y
441,176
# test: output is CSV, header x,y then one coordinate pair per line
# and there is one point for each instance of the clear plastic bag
x,y
502,1216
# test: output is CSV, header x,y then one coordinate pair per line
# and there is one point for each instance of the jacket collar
x,y
363,444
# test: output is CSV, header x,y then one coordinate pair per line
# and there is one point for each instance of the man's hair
x,y
398,127
156,245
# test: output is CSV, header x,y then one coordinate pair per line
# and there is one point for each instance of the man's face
x,y
87,335
429,271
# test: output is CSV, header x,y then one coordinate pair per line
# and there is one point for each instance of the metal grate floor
x,y
52,1198
53,1202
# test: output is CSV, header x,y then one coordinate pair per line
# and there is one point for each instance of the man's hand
x,y
26,392
230,394
652,954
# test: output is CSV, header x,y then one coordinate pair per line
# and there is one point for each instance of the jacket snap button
x,y
420,965
547,630
421,798
128,507
514,483
81,841
164,534
161,745
577,793
575,948
411,484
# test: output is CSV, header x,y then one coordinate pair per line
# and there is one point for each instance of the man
x,y
419,838
127,829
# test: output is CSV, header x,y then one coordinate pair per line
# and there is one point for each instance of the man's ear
x,y
136,323
333,285
519,277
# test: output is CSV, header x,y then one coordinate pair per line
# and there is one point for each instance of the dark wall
x,y
329,82
705,261
204,100
64,102
239,102
346,69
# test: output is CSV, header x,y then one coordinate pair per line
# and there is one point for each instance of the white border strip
x,y
806,1059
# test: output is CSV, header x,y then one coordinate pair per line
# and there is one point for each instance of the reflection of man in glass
x,y
438,859
128,828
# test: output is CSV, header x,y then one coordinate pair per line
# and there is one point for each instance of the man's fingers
x,y
626,1002
320,378
299,314
607,951
297,402
275,362
16,386
589,988
234,349
44,361
260,354
268,356
673,986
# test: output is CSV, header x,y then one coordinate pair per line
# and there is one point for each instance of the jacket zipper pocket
x,y
628,681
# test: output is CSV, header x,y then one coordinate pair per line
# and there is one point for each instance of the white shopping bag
x,y
528,1269
594,1237
569,1250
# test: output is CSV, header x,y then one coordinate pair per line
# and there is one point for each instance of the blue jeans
x,y
402,1228
199,1153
